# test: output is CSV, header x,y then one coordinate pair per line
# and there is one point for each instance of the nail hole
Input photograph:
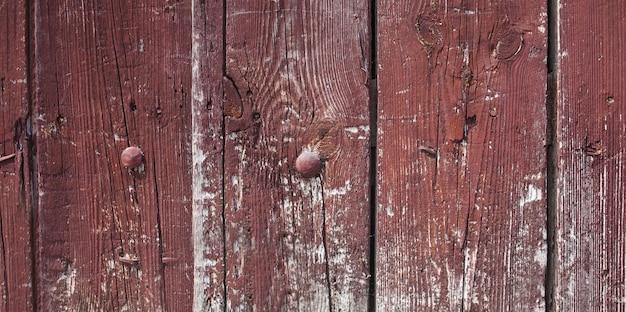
x,y
471,121
493,112
610,99
132,105
256,117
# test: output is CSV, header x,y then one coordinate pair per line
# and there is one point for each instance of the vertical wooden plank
x,y
461,158
16,260
111,75
296,74
591,133
207,153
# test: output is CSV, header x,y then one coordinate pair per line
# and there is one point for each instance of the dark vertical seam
x,y
552,152
120,85
32,151
224,268
160,237
373,112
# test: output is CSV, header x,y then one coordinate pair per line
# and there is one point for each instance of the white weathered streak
x,y
204,203
533,194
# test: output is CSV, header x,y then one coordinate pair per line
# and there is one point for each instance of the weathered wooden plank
x,y
16,261
461,158
207,152
591,145
296,74
109,75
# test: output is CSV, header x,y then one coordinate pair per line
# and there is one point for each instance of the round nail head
x,y
131,157
308,164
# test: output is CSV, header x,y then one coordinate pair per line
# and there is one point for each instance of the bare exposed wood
x,y
296,80
207,153
461,158
16,260
111,75
591,211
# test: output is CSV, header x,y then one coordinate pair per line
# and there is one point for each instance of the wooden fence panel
x,y
16,261
591,127
296,79
222,97
461,160
108,75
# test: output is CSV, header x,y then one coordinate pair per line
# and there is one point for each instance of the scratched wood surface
x,y
16,261
223,99
207,155
295,79
591,268
461,159
108,75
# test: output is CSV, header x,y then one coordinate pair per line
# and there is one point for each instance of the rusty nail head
x,y
308,164
131,157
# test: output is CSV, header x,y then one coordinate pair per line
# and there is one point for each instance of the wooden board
x,y
296,79
207,155
461,158
16,168
108,75
591,267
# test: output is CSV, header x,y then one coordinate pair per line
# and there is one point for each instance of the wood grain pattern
x,y
222,96
16,201
296,74
108,75
591,268
207,153
461,159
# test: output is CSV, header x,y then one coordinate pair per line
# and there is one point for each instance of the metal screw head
x,y
131,157
308,164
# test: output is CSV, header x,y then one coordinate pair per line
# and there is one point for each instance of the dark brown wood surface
x,y
296,79
16,169
461,158
591,130
109,75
